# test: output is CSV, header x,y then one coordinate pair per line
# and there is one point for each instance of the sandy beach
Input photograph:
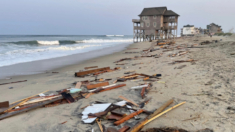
x,y
207,86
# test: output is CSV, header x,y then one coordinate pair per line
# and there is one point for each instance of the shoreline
x,y
53,64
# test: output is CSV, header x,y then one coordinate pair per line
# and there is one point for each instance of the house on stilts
x,y
155,23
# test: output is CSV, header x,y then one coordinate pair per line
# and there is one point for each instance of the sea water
x,y
16,49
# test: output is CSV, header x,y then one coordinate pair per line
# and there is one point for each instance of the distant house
x,y
155,23
214,28
189,30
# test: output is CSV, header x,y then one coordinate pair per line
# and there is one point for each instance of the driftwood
x,y
13,82
128,117
140,125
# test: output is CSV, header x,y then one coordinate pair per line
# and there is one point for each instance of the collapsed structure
x,y
155,23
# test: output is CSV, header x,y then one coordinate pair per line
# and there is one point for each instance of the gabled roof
x,y
170,13
153,11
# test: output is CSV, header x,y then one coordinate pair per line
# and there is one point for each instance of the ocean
x,y
15,49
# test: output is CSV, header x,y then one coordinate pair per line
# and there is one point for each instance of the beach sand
x,y
207,86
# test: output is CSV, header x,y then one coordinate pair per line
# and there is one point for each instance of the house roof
x,y
153,11
170,13
189,25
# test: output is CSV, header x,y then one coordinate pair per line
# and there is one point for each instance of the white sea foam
x,y
72,48
109,35
119,35
104,40
48,42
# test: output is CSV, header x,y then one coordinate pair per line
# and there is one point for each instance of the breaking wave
x,y
59,42
104,40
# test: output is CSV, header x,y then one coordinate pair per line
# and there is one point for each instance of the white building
x,y
189,30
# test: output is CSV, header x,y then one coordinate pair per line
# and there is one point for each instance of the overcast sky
x,y
102,17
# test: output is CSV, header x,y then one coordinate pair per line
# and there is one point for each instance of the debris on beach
x,y
13,82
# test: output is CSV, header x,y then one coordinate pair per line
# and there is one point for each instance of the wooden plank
x,y
83,73
140,125
91,67
92,86
6,115
28,97
126,118
113,87
128,101
78,85
4,104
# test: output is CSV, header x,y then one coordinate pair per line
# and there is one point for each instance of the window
x,y
142,24
154,17
147,24
142,17
154,24
146,18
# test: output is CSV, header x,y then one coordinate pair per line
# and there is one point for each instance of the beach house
x,y
155,23
214,28
189,30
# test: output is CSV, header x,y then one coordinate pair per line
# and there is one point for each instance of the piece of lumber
x,y
126,118
13,82
99,124
41,104
78,85
124,129
138,126
88,95
28,97
4,104
83,73
164,112
91,67
143,92
92,86
128,101
113,87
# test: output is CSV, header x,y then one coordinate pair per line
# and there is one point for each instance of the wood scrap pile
x,y
40,100
137,76
108,111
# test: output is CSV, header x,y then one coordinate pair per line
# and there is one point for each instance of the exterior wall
x,y
148,24
188,30
214,29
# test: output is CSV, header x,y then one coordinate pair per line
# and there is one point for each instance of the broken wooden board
x,y
126,118
84,73
92,86
6,115
128,101
140,125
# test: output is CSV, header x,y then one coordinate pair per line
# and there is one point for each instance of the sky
x,y
104,17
